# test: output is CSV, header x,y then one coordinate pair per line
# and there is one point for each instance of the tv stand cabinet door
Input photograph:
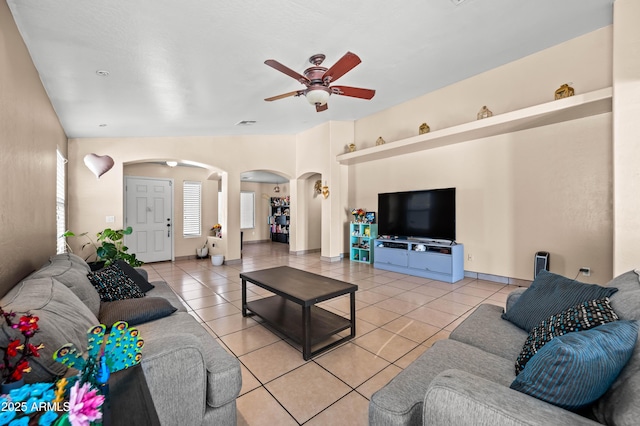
x,y
433,262
391,256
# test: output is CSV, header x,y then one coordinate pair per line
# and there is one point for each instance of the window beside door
x,y
192,209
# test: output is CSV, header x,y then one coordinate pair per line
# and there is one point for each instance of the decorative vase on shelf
x,y
380,141
424,128
484,113
564,92
5,388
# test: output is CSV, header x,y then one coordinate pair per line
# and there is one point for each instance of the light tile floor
x,y
398,318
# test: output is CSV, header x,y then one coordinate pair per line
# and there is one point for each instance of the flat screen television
x,y
428,214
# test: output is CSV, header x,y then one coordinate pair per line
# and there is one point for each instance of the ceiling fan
x,y
317,80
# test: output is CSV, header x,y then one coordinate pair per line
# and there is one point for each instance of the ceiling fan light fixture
x,y
318,96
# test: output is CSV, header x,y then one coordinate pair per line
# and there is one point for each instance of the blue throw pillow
x,y
574,370
551,294
583,316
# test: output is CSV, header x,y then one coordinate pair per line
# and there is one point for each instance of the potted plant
x,y
109,247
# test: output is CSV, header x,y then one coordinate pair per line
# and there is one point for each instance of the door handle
x,y
168,229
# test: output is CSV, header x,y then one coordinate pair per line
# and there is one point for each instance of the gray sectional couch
x,y
191,378
464,380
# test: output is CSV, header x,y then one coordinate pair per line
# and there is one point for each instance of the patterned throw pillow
x,y
549,294
574,370
583,316
113,284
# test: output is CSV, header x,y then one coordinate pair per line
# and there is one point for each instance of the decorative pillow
x,y
112,284
583,316
574,370
129,271
550,294
135,311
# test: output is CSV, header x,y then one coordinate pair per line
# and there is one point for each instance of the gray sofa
x,y
464,380
191,378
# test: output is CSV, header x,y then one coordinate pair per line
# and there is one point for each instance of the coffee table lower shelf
x,y
288,318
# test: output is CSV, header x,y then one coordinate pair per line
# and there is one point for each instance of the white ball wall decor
x,y
98,164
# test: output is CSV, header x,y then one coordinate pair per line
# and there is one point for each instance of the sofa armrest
x,y
176,373
143,272
513,297
459,398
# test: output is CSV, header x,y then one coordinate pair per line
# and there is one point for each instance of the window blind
x,y
61,245
191,203
247,210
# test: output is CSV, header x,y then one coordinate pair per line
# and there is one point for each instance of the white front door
x,y
148,210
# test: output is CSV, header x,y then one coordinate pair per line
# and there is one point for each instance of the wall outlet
x,y
470,257
585,271
111,219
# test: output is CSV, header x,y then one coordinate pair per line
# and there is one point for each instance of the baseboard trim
x,y
331,259
302,252
497,279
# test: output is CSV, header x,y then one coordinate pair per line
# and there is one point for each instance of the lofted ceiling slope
x,y
190,67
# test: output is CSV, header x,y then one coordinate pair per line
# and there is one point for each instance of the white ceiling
x,y
194,67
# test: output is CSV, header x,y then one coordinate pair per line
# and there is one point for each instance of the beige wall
x,y
542,189
29,134
626,106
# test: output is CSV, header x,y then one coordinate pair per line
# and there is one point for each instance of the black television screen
x,y
427,214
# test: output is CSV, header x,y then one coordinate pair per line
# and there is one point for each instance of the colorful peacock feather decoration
x,y
121,349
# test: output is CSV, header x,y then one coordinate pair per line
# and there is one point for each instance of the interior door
x,y
149,211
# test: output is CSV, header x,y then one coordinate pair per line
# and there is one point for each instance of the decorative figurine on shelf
x,y
424,128
484,112
564,91
351,147
317,187
380,141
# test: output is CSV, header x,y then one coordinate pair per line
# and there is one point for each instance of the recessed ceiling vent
x,y
246,123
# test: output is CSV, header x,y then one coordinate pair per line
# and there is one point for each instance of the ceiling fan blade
x,y
354,92
288,71
320,108
285,95
340,68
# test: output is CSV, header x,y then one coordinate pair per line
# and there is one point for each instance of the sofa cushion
x,y
73,258
140,281
63,318
134,311
583,316
551,294
619,405
224,379
485,330
162,289
63,268
113,284
574,370
400,401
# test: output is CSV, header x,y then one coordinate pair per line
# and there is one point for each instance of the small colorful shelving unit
x,y
361,242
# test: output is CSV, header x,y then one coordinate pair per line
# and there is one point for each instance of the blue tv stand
x,y
433,260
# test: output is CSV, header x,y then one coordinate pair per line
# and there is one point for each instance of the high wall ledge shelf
x,y
557,111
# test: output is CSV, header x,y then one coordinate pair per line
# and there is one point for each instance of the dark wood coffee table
x,y
292,309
